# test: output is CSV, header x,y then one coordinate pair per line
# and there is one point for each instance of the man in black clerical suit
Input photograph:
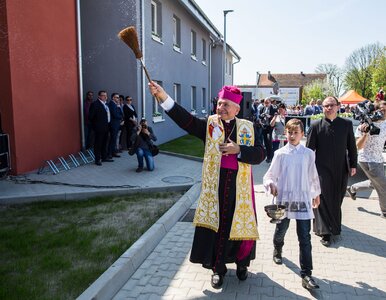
x,y
333,140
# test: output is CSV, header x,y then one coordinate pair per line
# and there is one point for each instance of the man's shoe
x,y
116,155
242,273
268,160
216,280
139,170
108,160
98,163
277,259
353,195
326,240
309,283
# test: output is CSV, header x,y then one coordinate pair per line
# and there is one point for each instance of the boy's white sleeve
x,y
313,177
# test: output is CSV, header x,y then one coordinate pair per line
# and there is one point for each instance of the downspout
x,y
143,53
80,72
210,76
233,69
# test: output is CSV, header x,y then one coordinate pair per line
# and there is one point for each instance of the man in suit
x,y
115,123
266,114
99,117
130,118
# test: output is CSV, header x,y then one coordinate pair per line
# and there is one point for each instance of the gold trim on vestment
x,y
244,225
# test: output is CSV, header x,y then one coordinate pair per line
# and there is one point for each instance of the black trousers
x,y
100,145
267,137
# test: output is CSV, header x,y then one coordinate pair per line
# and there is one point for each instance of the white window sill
x,y
158,119
157,39
192,56
177,49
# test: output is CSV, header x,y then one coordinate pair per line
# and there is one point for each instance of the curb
x,y
79,195
195,158
112,280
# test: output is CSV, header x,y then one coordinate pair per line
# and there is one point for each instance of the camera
x,y
144,126
365,113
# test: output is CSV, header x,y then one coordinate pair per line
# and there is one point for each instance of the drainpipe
x,y
210,76
233,69
143,53
80,72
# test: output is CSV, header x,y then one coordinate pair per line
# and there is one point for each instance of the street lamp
x,y
225,43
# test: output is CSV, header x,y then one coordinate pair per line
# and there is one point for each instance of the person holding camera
x,y
278,125
142,139
266,114
370,159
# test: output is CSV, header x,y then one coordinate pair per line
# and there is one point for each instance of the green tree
x,y
360,66
379,74
334,76
316,89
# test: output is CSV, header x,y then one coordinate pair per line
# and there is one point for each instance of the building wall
x,y
40,101
169,66
108,63
217,61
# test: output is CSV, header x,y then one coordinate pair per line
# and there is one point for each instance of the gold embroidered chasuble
x,y
244,224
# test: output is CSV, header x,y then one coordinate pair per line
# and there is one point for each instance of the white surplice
x,y
294,173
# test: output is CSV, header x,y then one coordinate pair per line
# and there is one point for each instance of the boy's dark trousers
x,y
303,228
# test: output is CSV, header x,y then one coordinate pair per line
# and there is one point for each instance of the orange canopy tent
x,y
351,97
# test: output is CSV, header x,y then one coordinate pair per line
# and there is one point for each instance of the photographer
x,y
370,159
266,114
142,139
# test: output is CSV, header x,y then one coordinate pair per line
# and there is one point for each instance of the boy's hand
x,y
273,188
315,202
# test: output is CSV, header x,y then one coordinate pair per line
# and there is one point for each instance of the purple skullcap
x,y
232,93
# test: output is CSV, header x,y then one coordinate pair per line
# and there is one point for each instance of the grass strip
x,y
56,249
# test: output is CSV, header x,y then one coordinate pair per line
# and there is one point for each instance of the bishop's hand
x,y
229,148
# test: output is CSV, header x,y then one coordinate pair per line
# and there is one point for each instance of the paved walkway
x,y
354,267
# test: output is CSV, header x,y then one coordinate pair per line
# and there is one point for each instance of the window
x,y
157,110
177,92
156,19
193,99
230,67
176,32
203,50
193,46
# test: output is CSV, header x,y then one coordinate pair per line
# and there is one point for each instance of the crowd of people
x,y
106,122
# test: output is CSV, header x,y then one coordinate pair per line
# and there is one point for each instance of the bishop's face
x,y
226,109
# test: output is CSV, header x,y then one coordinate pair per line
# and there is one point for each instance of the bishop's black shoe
x,y
242,273
217,280
309,283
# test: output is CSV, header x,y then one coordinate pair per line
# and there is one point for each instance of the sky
x,y
290,36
